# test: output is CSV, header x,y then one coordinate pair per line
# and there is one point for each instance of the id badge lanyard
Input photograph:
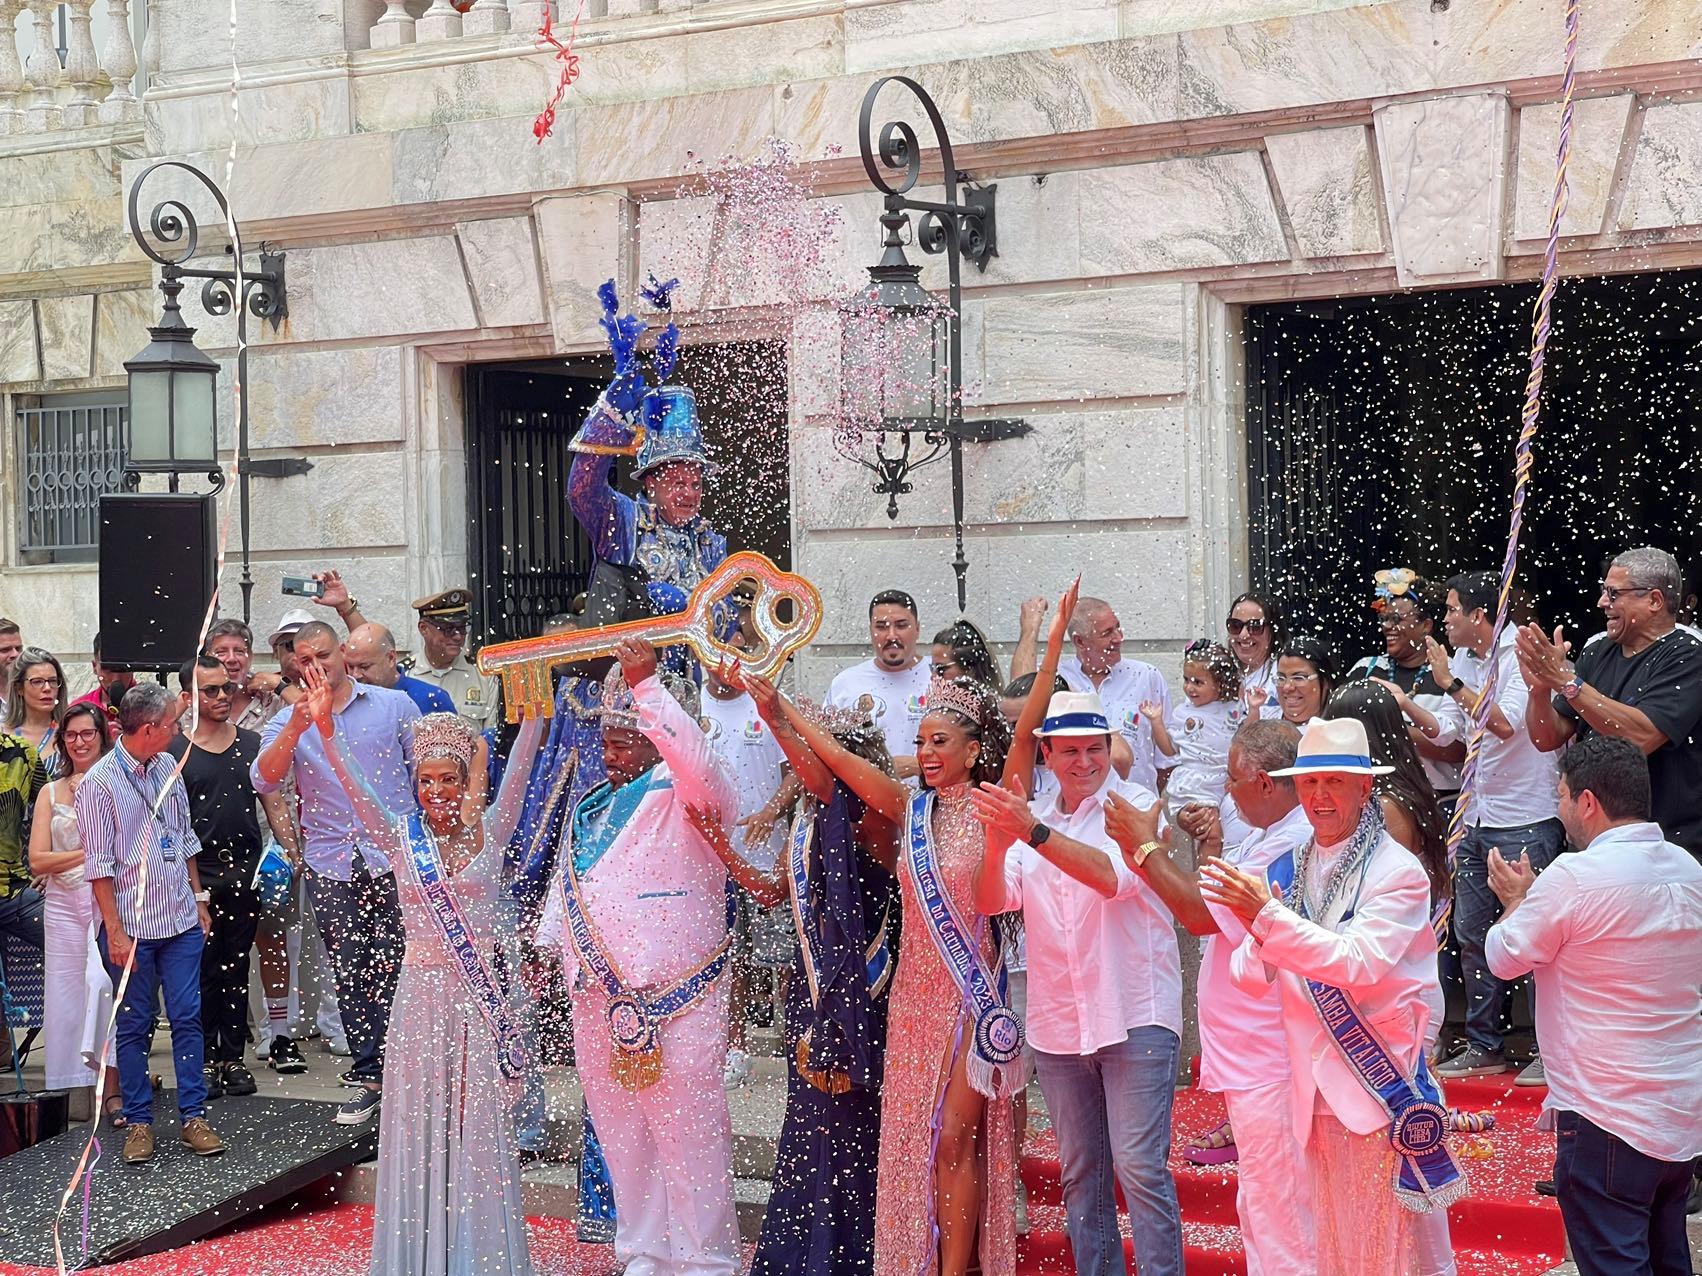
x,y
168,841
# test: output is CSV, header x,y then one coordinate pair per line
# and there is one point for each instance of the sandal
x,y
114,1114
1470,1122
1215,1147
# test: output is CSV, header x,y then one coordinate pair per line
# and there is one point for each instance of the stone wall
x,y
1159,163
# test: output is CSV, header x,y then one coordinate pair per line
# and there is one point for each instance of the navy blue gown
x,y
821,1215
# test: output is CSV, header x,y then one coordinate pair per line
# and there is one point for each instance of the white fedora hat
x,y
1339,745
1074,713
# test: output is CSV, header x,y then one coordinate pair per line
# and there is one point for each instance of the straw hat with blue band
x,y
1074,713
1338,745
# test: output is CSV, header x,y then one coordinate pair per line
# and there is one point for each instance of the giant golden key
x,y
524,665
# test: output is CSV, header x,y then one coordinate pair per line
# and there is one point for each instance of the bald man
x,y
370,654
1123,685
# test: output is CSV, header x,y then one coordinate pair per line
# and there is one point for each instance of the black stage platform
x,y
274,1149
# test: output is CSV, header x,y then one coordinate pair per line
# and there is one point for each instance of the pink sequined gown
x,y
925,1010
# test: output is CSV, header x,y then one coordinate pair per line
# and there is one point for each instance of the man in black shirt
x,y
1642,682
221,808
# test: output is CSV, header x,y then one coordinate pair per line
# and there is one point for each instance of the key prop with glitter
x,y
1524,456
524,665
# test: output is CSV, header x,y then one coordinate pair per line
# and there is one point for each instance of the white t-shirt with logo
x,y
747,746
900,700
1201,734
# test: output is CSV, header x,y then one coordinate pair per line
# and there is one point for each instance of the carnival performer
x,y
946,1197
448,1195
661,533
642,918
1349,947
837,869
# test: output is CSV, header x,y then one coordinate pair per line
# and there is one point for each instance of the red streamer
x,y
546,121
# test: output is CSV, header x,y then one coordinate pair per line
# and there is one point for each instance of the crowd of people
x,y
960,883
1042,839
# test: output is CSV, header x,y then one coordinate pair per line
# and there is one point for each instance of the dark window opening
x,y
1381,433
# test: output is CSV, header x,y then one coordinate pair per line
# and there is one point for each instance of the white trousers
x,y
78,992
669,1147
1273,1194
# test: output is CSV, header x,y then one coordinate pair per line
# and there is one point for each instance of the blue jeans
x,y
1624,1211
1476,909
174,966
1111,1110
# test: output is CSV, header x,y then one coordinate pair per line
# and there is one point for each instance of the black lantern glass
x,y
895,347
173,422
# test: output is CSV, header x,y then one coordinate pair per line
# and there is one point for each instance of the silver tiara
x,y
443,735
961,697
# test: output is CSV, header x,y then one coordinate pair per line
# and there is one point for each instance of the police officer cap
x,y
452,605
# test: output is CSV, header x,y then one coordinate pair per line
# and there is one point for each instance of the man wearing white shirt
x,y
1243,1050
1104,979
1122,685
1513,809
895,680
1614,936
1348,947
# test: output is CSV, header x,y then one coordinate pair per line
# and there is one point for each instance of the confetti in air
x,y
1524,455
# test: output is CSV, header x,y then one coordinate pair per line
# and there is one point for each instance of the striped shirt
x,y
121,833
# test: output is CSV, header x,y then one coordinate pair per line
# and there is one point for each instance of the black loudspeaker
x,y
157,575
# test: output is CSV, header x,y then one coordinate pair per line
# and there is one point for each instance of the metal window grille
x,y
71,449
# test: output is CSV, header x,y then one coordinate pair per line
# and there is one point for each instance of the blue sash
x,y
996,1042
635,1014
458,937
877,958
1427,1177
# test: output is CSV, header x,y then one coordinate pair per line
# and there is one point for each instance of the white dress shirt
x,y
1128,685
1517,783
1383,955
1614,935
1242,1046
1097,967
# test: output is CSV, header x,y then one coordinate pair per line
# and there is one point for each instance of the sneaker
x,y
215,1081
285,1058
359,1107
199,1138
1545,1187
1532,1073
238,1079
139,1144
595,1231
1474,1061
349,1079
737,1069
339,1046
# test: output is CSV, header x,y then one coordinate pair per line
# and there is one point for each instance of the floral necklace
x,y
1366,835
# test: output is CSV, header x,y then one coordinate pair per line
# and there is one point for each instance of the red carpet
x,y
1502,1229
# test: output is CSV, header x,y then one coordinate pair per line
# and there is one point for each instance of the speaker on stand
x,y
158,555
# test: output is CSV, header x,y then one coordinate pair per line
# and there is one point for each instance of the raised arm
x,y
1019,762
504,815
315,704
807,769
878,790
700,777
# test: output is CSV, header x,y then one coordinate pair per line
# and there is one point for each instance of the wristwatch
x,y
203,897
1038,834
1456,686
1571,689
1143,850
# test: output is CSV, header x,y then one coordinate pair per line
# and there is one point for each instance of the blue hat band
x,y
1331,761
1076,721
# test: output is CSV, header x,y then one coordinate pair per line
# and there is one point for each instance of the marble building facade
x,y
1161,164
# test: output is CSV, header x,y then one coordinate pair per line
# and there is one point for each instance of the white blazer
x,y
658,895
1384,956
